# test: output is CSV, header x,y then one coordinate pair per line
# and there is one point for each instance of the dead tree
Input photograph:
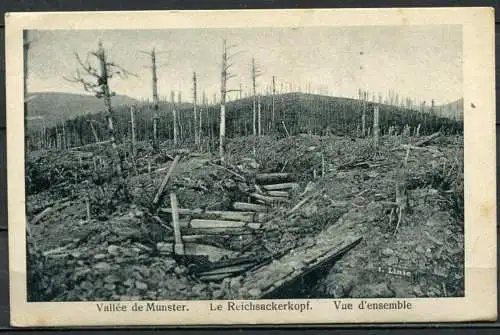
x,y
376,129
156,116
225,76
132,126
174,116
95,79
195,124
273,103
255,74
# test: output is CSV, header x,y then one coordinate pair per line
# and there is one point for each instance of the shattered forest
x,y
288,193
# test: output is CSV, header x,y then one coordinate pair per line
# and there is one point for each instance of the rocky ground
x,y
120,254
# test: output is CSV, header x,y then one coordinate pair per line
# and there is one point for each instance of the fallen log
x,y
283,186
244,206
278,193
164,182
427,139
268,199
271,177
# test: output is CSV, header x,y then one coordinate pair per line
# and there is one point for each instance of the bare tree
x,y
195,124
95,79
174,116
156,116
255,74
225,76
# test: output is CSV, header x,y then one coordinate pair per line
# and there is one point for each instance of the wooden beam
x,y
164,182
178,246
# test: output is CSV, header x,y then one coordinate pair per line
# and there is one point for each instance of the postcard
x,y
231,167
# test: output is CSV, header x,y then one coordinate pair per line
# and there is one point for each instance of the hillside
x,y
453,110
64,106
294,113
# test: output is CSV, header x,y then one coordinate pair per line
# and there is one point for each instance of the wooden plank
x,y
164,182
199,223
284,186
178,246
271,177
243,206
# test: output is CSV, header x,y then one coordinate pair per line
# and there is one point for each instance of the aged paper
x,y
251,167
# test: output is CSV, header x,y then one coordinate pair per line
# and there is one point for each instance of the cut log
x,y
278,193
200,224
244,206
427,139
271,177
227,215
283,186
164,182
267,199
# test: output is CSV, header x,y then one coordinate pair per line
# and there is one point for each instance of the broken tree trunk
x,y
164,182
427,139
178,246
243,206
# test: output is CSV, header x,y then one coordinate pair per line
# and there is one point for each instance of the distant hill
x,y
57,106
453,110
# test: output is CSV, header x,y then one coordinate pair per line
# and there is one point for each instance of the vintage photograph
x,y
303,169
244,163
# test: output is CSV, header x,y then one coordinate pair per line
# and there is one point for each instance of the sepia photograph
x,y
264,167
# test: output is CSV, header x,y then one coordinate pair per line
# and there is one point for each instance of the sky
x,y
420,62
